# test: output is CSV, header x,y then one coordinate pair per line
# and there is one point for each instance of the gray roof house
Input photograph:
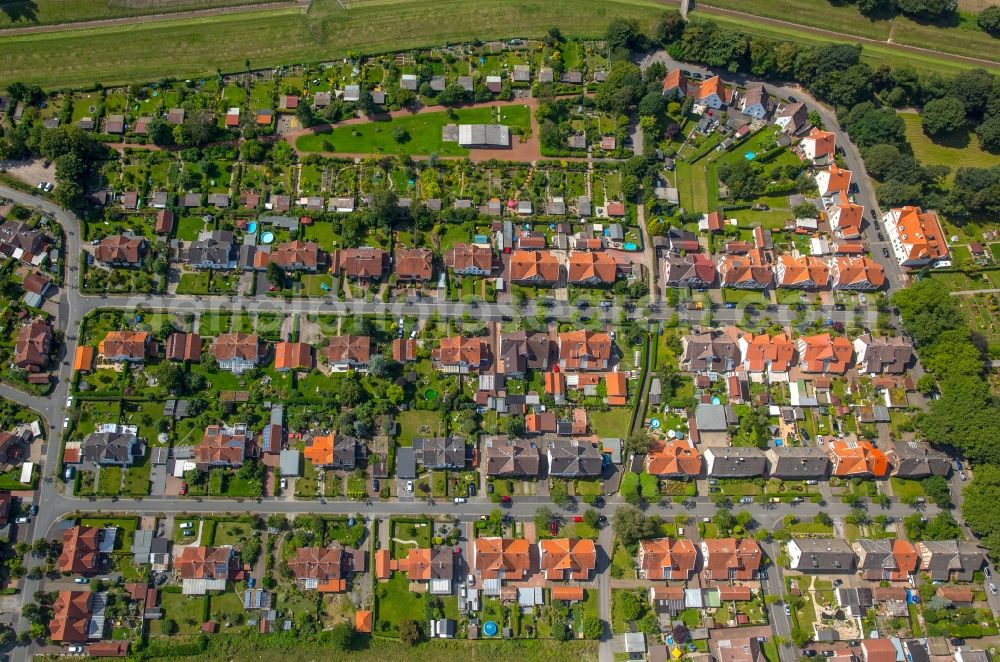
x,y
573,458
119,447
950,560
216,251
735,462
916,460
406,463
511,457
709,352
823,555
714,418
290,462
798,462
440,452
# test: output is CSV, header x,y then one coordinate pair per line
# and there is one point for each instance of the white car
x,y
470,580
75,649
284,483
993,588
187,525
409,486
81,580
66,422
459,500
23,520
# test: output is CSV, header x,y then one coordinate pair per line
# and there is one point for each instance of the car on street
x,y
34,509
958,465
788,610
885,252
613,334
874,215
577,518
961,474
881,237
505,499
470,580
75,649
459,500
809,653
993,588
746,499
23,519
987,571
81,580
730,305
838,582
409,486
601,519
69,401
65,422
792,99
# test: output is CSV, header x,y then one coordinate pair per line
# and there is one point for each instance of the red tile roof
x,y
567,558
667,558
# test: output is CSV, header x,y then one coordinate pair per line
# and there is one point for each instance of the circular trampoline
x,y
490,629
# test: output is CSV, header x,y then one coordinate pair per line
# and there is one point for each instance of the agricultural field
x,y
199,46
23,13
963,38
956,151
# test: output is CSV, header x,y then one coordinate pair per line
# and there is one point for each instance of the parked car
x,y
874,215
993,588
746,499
470,580
885,252
184,489
409,486
809,653
553,527
23,519
284,483
82,580
459,500
961,474
187,525
375,484
577,518
505,499
34,509
489,488
75,649
788,610
188,533
838,582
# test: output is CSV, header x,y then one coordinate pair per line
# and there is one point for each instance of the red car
x,y
553,527
184,489
505,499
577,519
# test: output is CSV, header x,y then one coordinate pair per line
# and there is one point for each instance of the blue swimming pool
x,y
630,246
750,156
252,227
490,629
267,238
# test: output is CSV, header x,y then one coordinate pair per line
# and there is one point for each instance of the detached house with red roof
x,y
469,259
125,346
677,458
502,558
584,350
535,267
71,615
916,237
567,558
857,459
325,569
667,558
458,355
845,217
833,180
237,352
204,569
825,353
79,550
804,272
819,145
414,264
224,446
731,559
751,271
592,268
856,273
299,256
773,355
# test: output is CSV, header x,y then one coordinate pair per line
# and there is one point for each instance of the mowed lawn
x,y
21,13
963,39
196,47
953,152
424,131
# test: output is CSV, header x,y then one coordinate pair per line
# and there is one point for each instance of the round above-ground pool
x,y
490,629
252,227
654,423
431,395
267,238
